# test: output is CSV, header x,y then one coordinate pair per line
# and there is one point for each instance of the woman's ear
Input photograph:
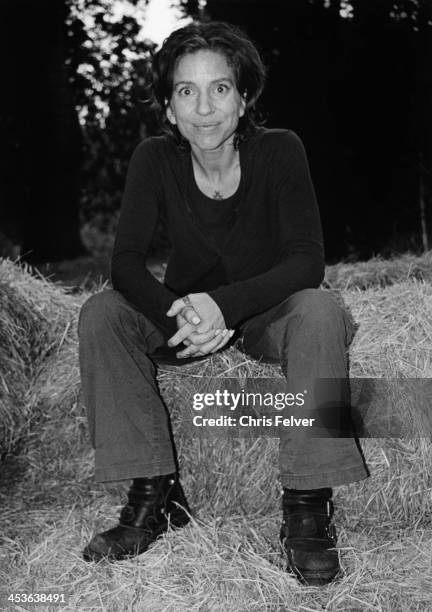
x,y
243,102
169,113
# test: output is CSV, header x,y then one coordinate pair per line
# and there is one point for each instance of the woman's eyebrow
x,y
211,82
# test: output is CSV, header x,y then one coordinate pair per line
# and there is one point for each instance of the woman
x,y
246,261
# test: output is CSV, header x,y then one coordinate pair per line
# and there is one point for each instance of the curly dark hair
x,y
240,53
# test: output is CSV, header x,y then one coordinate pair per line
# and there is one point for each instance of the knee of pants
x,y
320,310
103,307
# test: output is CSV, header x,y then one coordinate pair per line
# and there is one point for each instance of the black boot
x,y
152,506
308,536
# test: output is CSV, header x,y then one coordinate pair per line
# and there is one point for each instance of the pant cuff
x,y
133,470
328,479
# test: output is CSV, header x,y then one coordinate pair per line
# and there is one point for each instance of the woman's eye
x,y
221,88
186,91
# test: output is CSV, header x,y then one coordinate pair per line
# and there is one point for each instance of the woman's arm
x,y
138,218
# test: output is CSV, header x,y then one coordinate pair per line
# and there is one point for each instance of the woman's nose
x,y
204,105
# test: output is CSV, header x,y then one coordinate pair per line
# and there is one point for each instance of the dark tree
x,y
59,171
40,134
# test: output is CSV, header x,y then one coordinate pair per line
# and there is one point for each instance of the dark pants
x,y
308,335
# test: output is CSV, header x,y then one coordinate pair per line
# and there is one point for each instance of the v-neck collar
x,y
188,168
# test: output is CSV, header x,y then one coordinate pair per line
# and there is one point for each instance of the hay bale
x,y
36,319
379,272
395,330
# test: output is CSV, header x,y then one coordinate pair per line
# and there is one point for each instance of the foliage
x,y
107,64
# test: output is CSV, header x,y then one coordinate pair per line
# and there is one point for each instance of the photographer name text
x,y
249,421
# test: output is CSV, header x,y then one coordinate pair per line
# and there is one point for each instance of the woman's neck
x,y
217,163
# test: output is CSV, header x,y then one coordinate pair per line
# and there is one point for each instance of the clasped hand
x,y
201,325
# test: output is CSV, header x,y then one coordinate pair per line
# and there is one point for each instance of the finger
x,y
190,351
212,346
180,335
190,315
224,340
176,308
199,339
195,348
184,307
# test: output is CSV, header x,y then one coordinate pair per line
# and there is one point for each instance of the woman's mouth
x,y
206,126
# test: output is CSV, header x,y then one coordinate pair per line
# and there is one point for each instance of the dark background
x,y
354,80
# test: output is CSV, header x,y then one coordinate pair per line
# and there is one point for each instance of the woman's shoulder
x,y
274,148
275,138
158,147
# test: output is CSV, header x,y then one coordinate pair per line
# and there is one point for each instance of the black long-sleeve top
x,y
273,248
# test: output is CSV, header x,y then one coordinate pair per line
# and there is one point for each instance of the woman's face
x,y
205,103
